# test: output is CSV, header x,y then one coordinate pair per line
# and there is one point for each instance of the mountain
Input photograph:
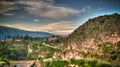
x,y
97,38
14,32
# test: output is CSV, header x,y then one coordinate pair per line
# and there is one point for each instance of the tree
x,y
3,50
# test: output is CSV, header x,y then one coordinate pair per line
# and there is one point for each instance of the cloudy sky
x,y
54,16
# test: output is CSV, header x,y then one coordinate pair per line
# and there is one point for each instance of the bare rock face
x,y
37,63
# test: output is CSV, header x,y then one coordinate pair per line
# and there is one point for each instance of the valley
x,y
96,43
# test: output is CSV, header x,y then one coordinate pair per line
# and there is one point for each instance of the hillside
x,y
14,32
98,38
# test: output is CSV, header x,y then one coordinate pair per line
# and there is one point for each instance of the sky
x,y
59,17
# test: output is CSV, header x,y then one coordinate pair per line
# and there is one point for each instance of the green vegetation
x,y
111,52
13,51
57,63
5,62
78,62
27,48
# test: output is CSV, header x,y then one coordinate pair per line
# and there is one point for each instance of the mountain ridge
x,y
15,31
98,25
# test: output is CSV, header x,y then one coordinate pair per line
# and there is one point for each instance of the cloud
x,y
59,12
48,9
8,14
36,20
5,24
85,9
43,8
6,6
61,27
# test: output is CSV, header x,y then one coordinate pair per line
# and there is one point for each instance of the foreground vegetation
x,y
81,63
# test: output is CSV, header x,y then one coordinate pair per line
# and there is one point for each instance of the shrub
x,y
77,62
57,63
103,65
92,63
113,57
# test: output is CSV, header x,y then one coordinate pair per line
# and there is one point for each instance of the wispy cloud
x,y
6,6
43,8
61,27
8,14
36,20
47,9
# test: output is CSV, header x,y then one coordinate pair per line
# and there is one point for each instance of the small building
x,y
52,39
